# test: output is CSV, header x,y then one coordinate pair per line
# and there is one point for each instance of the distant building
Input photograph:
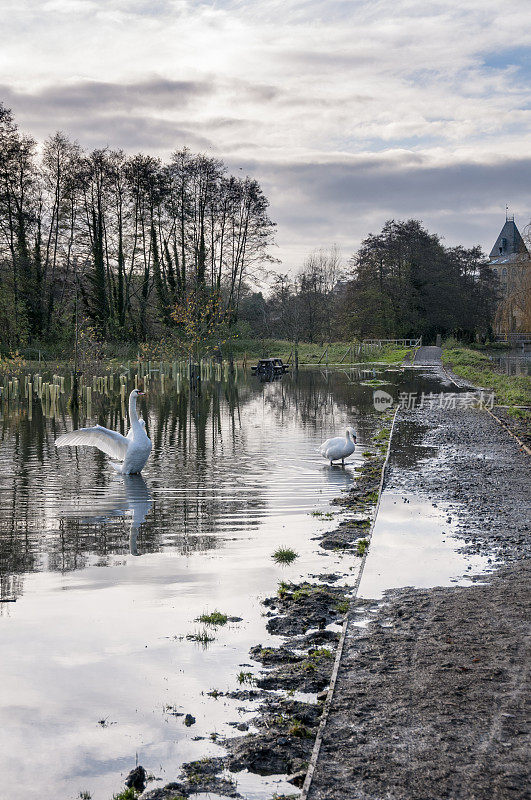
x,y
511,264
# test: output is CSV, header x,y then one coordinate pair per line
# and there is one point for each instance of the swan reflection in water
x,y
340,476
127,495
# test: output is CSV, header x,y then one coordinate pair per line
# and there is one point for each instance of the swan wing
x,y
110,442
337,441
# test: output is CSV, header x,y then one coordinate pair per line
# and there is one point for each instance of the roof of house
x,y
509,243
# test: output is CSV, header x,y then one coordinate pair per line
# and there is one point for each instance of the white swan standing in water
x,y
339,447
132,450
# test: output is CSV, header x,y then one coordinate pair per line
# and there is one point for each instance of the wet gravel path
x,y
430,698
428,355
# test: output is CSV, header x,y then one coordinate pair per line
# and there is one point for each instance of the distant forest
x,y
139,250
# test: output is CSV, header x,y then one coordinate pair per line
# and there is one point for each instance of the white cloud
x,y
278,84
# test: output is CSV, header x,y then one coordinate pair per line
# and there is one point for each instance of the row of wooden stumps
x,y
15,391
184,375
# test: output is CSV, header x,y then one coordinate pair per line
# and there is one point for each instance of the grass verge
x,y
479,369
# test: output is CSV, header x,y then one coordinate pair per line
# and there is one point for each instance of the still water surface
x,y
110,572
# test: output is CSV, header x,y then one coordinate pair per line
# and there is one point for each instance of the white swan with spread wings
x,y
132,450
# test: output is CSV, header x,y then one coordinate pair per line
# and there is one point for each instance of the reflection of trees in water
x,y
63,520
38,531
313,398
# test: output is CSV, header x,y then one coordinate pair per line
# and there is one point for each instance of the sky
x,y
347,112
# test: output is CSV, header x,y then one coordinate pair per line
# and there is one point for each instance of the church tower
x,y
508,244
510,261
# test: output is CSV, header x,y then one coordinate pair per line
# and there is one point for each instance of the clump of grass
x,y
299,730
283,589
366,454
371,497
84,795
321,652
215,618
313,659
343,606
215,693
304,591
284,555
203,637
127,794
382,435
245,677
361,547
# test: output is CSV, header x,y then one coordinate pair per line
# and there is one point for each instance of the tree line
x,y
123,241
140,249
402,282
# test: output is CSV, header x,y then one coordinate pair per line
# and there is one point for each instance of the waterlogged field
x,y
103,578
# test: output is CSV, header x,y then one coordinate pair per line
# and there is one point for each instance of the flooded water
x,y
513,362
109,573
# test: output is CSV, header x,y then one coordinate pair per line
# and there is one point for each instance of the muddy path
x,y
430,698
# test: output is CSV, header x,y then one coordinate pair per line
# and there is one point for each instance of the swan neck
x,y
133,416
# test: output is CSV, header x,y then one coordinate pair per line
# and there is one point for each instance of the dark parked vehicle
x,y
270,366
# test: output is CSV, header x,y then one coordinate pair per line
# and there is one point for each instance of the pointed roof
x,y
509,242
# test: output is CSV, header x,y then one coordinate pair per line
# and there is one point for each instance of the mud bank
x,y
429,701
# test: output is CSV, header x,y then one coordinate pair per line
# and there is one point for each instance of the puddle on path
x,y
414,544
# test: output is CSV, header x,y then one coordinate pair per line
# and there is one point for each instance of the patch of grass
x,y
85,795
321,652
366,499
517,413
246,677
311,662
304,591
203,637
283,589
480,370
343,606
215,693
366,454
284,555
215,618
285,796
382,435
127,794
299,730
361,547
310,353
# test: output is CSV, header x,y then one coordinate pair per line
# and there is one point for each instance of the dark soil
x,y
430,700
305,606
199,776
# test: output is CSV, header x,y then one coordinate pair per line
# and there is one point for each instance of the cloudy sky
x,y
348,112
